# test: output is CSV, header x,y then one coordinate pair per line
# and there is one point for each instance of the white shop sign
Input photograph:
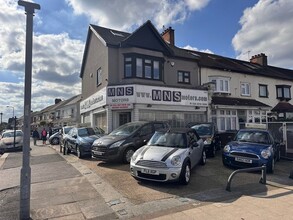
x,y
156,95
94,101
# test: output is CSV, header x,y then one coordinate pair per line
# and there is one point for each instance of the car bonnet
x,y
156,153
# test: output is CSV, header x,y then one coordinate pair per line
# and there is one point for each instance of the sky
x,y
231,28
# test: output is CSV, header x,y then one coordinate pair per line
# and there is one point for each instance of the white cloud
x,y
188,47
266,28
56,62
127,14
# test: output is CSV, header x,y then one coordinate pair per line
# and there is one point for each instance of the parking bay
x,y
207,184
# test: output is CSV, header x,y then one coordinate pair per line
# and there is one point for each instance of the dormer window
x,y
283,92
222,84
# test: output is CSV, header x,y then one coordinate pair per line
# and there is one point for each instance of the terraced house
x,y
144,76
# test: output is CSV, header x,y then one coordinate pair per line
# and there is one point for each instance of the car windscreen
x,y
259,137
203,129
66,130
126,129
11,134
168,139
83,132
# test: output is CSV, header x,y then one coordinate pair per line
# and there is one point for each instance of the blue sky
x,y
231,28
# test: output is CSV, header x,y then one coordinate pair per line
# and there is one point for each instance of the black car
x,y
209,133
80,140
121,143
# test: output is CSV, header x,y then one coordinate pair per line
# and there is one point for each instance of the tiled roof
x,y
237,102
283,107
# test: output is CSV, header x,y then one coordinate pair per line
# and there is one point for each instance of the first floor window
x,y
283,92
222,84
183,77
142,66
263,90
245,89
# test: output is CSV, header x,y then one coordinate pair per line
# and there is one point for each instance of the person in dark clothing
x,y
50,131
35,136
44,135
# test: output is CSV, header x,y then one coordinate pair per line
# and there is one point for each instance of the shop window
x,y
245,89
183,77
227,120
222,84
283,92
263,91
141,66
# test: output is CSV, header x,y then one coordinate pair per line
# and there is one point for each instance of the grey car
x,y
169,156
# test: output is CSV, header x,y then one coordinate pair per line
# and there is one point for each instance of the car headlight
x,y
266,153
208,141
227,148
176,161
117,144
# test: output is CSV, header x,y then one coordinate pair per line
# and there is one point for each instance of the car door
x,y
194,147
72,138
143,135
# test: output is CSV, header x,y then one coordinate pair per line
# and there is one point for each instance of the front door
x,y
124,117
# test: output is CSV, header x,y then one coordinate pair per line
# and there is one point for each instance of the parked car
x,y
252,148
54,138
121,143
62,133
209,133
7,141
169,156
80,140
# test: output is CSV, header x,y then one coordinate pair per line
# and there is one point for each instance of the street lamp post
x,y
25,177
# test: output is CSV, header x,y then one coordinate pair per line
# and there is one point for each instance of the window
x,y
99,76
227,120
222,84
183,77
263,90
141,66
245,89
283,92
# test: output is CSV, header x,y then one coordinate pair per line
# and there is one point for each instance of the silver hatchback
x,y
169,156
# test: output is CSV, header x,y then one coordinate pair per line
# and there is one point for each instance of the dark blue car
x,y
252,148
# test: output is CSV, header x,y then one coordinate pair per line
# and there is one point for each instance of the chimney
x,y
168,36
260,59
57,101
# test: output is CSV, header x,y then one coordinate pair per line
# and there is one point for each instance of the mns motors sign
x,y
156,95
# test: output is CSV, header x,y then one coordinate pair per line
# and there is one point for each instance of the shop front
x,y
117,105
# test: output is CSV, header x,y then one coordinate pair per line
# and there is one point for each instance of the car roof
x,y
254,130
177,130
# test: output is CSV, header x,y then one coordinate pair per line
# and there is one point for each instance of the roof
x,y
283,107
147,37
237,102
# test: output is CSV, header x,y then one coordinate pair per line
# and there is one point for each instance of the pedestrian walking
x,y
36,136
44,135
50,131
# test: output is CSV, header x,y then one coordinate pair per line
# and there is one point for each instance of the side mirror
x,y
74,136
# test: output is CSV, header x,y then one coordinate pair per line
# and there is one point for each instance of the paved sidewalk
x,y
58,190
62,188
272,205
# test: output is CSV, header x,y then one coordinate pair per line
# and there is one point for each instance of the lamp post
x,y
25,176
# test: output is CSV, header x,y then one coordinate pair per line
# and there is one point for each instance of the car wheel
x,y
55,141
185,174
79,152
271,167
127,155
203,159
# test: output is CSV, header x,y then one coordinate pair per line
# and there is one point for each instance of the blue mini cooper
x,y
252,148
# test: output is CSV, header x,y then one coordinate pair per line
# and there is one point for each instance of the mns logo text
x,y
166,95
120,91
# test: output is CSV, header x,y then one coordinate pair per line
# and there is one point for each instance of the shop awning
x,y
283,107
237,102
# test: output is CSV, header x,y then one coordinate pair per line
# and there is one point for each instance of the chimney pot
x,y
260,59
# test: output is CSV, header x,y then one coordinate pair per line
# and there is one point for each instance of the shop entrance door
x,y
124,117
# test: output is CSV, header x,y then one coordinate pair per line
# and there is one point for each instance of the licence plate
x,y
98,152
243,160
152,172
